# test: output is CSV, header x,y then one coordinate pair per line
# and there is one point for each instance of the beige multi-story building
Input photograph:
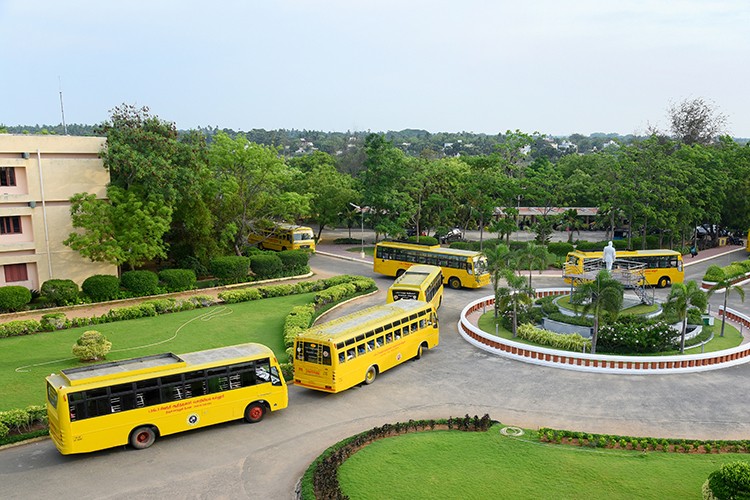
x,y
38,175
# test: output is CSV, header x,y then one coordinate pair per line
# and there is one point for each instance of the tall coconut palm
x,y
682,297
602,297
497,263
534,256
726,287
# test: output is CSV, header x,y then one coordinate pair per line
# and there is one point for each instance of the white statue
x,y
609,256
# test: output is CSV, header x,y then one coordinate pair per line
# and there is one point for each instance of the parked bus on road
x,y
281,236
660,267
354,349
420,282
461,268
137,400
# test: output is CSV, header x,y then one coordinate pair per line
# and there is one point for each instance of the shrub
x,y
101,287
461,245
569,342
277,290
3,430
423,240
140,283
694,316
732,480
560,248
142,310
91,346
37,413
230,269
713,273
178,280
191,262
235,296
19,327
635,335
60,292
15,420
734,270
53,321
163,306
294,261
265,266
571,320
14,298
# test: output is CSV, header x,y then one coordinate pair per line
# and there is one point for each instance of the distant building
x,y
38,175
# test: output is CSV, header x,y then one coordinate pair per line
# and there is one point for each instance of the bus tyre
x,y
420,351
664,282
142,437
254,413
260,246
371,375
454,283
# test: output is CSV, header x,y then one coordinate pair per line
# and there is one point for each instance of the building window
x,y
10,225
7,176
15,272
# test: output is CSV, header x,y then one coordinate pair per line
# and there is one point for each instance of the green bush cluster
x,y
19,327
571,320
178,280
20,421
101,287
423,240
53,321
266,265
91,346
569,342
140,283
598,246
243,295
735,270
636,335
560,248
295,261
731,481
14,298
299,319
230,269
60,292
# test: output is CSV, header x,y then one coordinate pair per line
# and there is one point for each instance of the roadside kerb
x,y
601,363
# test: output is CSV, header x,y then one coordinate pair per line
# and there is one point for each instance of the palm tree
x,y
497,262
516,293
681,298
534,256
725,285
571,222
602,297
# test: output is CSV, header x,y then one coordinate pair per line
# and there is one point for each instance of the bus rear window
x,y
52,395
315,352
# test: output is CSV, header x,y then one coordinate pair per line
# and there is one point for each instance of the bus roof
x,y
364,320
291,227
415,275
431,249
157,363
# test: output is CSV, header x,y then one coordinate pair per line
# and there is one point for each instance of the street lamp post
x,y
362,230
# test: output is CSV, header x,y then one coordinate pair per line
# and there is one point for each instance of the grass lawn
x,y
39,355
368,250
454,464
638,309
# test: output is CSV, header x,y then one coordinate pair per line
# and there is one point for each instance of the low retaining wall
x,y
601,363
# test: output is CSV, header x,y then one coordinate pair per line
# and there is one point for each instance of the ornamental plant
x,y
91,346
60,292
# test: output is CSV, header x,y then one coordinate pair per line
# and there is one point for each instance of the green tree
x,y
602,297
516,294
331,192
682,297
497,263
505,224
122,230
533,256
726,287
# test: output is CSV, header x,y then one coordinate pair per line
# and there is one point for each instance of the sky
x,y
548,66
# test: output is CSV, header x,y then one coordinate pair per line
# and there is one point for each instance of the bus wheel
x,y
399,273
254,413
283,249
371,375
260,246
664,282
142,437
420,351
454,283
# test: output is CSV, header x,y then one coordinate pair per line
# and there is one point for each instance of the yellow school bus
x,y
660,267
137,400
354,349
420,282
461,268
281,236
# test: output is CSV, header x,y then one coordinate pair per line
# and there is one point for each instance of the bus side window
x,y
218,380
388,338
263,370
422,323
360,349
275,379
342,358
350,353
379,341
370,345
76,406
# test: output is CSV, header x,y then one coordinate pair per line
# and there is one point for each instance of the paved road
x,y
238,460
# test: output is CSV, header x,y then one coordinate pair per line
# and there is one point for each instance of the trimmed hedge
x,y
560,248
266,265
140,283
569,342
230,269
244,295
60,292
14,298
178,280
101,287
19,327
295,260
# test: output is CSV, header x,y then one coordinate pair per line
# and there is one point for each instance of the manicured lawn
x,y
637,309
259,321
454,464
